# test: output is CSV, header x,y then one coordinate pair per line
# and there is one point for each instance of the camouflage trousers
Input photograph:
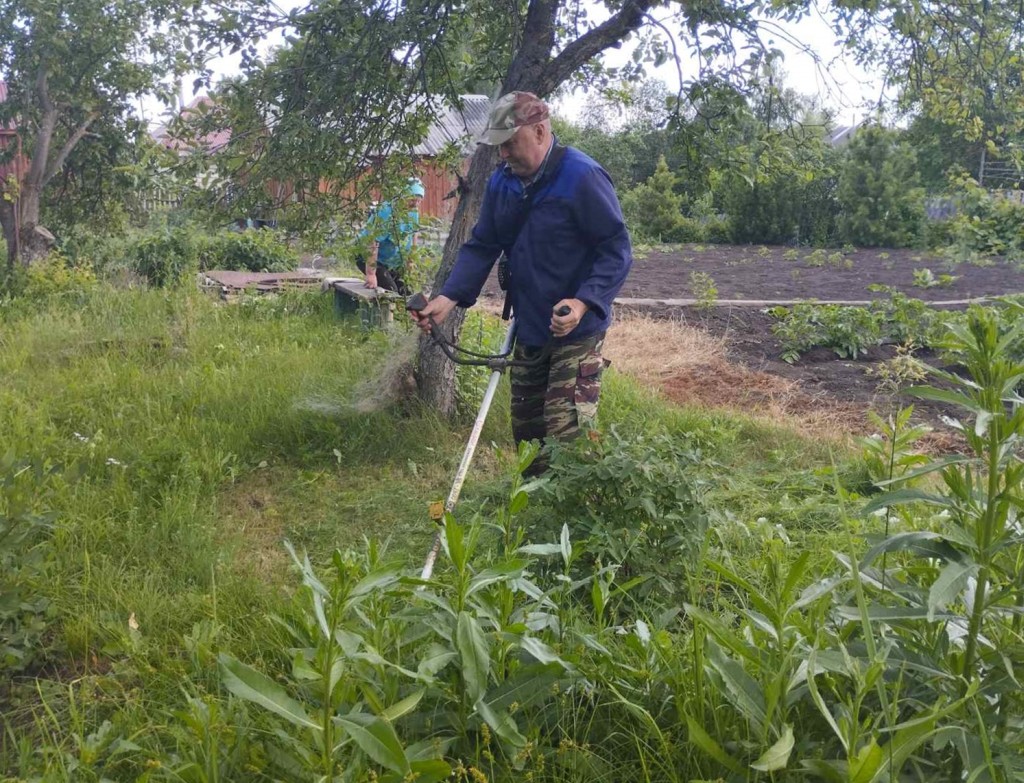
x,y
557,398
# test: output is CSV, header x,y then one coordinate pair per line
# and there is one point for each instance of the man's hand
x,y
371,278
561,325
436,309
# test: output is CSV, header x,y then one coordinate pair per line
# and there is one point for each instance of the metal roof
x,y
459,125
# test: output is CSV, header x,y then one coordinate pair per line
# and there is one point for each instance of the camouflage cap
x,y
511,112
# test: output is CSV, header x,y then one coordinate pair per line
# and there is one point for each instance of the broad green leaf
x,y
430,770
502,724
949,584
777,756
426,750
403,707
519,502
903,745
435,659
746,693
543,550
924,543
703,740
819,702
376,738
942,395
251,685
901,496
725,635
373,582
542,652
530,684
887,613
827,770
815,591
498,573
797,569
867,763
475,655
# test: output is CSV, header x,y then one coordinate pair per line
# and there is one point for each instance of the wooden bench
x,y
376,307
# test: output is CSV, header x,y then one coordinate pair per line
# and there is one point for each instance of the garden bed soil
x,y
781,273
849,387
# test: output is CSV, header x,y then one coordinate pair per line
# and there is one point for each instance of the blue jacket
x,y
393,234
573,244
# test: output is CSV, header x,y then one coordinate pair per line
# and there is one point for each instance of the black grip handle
x,y
416,302
563,310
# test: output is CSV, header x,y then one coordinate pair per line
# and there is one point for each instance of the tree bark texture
x,y
532,70
9,224
436,374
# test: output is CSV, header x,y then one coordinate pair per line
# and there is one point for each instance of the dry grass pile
x,y
690,367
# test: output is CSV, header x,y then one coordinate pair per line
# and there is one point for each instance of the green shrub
x,y
654,211
53,276
882,204
986,224
164,257
785,194
252,251
635,500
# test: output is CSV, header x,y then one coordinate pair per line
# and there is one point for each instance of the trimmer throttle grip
x,y
563,310
416,302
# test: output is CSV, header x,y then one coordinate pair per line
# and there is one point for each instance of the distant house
x,y
843,135
455,125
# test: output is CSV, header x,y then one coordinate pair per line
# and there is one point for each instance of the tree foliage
x,y
73,70
958,64
881,201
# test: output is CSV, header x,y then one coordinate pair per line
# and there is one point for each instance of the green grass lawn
x,y
179,441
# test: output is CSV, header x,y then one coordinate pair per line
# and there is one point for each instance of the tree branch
x,y
585,48
44,134
58,163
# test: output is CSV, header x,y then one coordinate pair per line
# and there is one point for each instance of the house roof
x,y
456,125
843,135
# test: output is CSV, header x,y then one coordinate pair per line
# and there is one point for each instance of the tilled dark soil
x,y
783,274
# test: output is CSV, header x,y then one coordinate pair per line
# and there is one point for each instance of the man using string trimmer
x,y
553,212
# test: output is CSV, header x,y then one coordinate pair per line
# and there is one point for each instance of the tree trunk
x,y
9,224
435,373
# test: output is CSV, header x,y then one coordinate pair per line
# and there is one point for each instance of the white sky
x,y
836,79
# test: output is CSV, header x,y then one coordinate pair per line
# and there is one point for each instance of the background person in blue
x,y
391,229
553,212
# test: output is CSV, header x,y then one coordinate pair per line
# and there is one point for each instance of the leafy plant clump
x,y
636,502
851,331
164,257
986,225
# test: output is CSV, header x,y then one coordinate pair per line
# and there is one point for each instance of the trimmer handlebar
x,y
497,362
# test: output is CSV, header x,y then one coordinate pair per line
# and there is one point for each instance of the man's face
x,y
525,151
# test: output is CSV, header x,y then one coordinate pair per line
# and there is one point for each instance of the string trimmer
x,y
497,363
